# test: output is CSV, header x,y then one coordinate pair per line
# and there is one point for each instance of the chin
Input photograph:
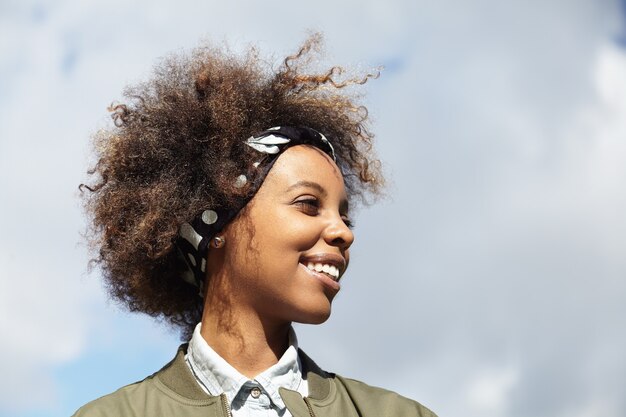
x,y
314,317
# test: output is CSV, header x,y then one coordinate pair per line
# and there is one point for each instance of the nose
x,y
338,234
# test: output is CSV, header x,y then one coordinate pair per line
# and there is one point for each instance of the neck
x,y
244,341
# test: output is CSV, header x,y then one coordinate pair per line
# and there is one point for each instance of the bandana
x,y
195,236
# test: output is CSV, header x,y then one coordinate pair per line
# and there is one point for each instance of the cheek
x,y
298,236
283,243
286,229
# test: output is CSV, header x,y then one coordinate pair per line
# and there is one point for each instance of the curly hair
x,y
176,147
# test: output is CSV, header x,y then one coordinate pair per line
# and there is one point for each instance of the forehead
x,y
305,163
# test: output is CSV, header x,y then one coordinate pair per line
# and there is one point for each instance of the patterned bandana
x,y
195,236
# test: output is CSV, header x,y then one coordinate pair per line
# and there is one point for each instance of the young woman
x,y
221,204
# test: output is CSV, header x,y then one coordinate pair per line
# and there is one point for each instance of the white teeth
x,y
334,272
327,268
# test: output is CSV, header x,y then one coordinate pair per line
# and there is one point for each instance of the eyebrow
x,y
311,184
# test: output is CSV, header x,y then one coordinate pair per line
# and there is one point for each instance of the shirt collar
x,y
217,376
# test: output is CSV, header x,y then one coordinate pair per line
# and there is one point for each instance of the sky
x,y
490,282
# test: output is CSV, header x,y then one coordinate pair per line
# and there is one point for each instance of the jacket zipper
x,y
308,404
226,406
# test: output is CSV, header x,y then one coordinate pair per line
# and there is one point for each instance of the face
x,y
285,255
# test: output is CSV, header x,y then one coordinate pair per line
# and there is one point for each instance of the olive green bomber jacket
x,y
174,392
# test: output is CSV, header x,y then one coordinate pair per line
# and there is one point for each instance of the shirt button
x,y
255,392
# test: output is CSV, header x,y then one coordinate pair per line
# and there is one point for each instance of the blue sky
x,y
491,281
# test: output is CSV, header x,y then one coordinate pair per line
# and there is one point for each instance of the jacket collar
x,y
177,376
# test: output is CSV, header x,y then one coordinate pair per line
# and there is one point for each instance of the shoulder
x,y
122,402
379,401
327,390
172,390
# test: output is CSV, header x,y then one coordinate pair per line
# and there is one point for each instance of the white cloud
x,y
487,393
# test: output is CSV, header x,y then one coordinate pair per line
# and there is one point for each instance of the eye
x,y
308,205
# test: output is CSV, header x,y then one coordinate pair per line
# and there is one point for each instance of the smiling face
x,y
283,256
